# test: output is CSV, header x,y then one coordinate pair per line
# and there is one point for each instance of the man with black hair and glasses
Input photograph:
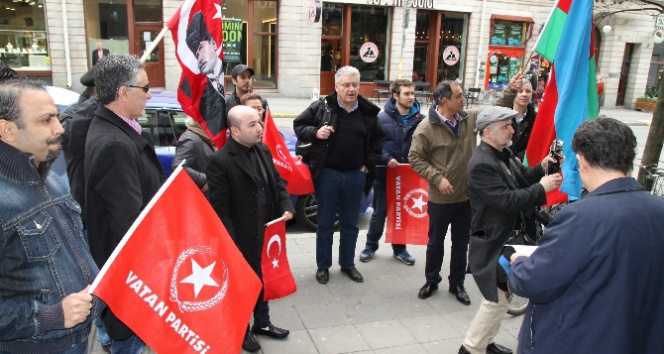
x,y
122,170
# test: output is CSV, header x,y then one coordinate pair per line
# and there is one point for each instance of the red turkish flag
x,y
291,170
407,198
177,279
278,280
197,33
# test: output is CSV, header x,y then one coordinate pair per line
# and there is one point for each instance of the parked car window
x,y
158,124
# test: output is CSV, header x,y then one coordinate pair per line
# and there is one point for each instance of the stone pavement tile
x,y
368,311
385,334
311,294
512,322
301,261
322,315
460,320
338,339
430,328
416,348
506,340
296,342
445,346
346,290
284,315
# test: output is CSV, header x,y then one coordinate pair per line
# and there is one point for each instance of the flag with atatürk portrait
x,y
177,279
278,280
197,32
407,202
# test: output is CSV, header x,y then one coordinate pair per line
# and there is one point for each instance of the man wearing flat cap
x,y
499,187
243,80
441,147
204,47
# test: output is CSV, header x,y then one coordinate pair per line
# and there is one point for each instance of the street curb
x,y
637,124
284,115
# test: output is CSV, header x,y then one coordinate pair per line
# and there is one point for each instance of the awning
x,y
511,18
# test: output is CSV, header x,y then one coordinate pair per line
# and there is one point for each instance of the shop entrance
x,y
624,74
154,64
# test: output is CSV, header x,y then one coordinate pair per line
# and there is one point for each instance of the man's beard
x,y
52,155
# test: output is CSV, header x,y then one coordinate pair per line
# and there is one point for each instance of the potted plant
x,y
646,103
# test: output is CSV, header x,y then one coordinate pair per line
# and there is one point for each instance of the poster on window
x,y
232,32
516,34
499,33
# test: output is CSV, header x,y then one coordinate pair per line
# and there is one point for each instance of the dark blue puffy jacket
x,y
397,136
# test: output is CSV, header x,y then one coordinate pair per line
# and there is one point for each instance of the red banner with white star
x,y
407,198
278,280
177,279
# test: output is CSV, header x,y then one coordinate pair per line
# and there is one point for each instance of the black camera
x,y
555,151
538,214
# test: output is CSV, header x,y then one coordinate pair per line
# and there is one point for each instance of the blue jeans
x,y
102,336
377,224
131,345
338,191
440,217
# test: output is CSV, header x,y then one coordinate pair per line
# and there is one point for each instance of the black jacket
x,y
76,122
308,122
496,201
233,190
122,175
196,152
95,55
523,130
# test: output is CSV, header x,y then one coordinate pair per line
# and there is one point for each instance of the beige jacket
x,y
436,153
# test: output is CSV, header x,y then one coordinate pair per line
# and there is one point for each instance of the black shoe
x,y
250,343
461,294
463,350
322,275
494,348
271,331
427,290
353,274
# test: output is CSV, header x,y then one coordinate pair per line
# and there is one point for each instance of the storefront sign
x,y
369,52
314,11
499,33
451,55
232,31
418,4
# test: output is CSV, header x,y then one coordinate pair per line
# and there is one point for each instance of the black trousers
x,y
440,218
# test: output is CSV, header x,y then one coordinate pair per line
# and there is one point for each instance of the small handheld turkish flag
x,y
177,279
278,280
291,170
407,201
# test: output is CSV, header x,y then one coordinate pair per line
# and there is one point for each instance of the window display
x,y
23,39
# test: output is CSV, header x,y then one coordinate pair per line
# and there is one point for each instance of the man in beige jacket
x,y
441,148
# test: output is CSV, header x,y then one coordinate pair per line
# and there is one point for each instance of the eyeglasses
x,y
347,85
145,88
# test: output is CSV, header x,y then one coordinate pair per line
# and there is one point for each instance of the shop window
x,y
503,65
452,38
147,11
106,22
421,45
656,70
507,33
370,24
330,46
332,19
23,39
259,19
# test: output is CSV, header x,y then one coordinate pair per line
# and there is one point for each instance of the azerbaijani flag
x,y
570,97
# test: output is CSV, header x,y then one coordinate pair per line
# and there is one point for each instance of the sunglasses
x,y
145,88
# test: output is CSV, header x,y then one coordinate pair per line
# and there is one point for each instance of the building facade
x,y
479,43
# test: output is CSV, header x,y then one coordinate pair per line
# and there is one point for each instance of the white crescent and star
x,y
418,203
277,239
200,277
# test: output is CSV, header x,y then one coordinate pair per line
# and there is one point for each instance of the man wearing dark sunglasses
x,y
122,169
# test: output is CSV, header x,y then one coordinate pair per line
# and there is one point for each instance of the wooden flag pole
x,y
154,44
532,52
